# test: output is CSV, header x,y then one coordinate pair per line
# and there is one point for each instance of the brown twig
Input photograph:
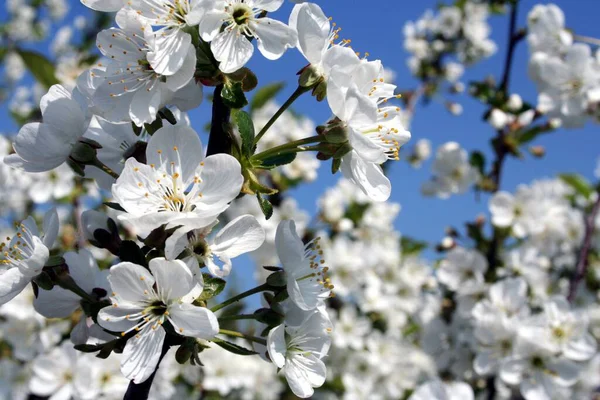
x,y
582,258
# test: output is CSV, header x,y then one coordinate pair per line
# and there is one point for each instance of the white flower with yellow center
x,y
179,187
172,43
317,40
231,46
143,301
298,352
25,255
307,282
239,236
130,88
43,146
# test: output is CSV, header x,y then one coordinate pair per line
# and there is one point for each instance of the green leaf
x,y
130,251
578,183
233,348
532,133
265,206
246,128
411,246
335,165
154,126
277,279
276,161
165,113
477,160
212,287
40,67
264,94
233,96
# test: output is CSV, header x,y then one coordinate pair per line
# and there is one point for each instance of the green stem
x,y
66,282
241,296
105,168
236,317
243,335
292,147
299,92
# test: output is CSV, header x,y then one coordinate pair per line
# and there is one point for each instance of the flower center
x,y
157,308
201,248
537,362
241,14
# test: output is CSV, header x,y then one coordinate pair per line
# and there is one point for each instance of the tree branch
x,y
513,39
219,140
582,258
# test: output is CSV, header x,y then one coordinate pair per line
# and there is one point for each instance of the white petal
x,y
368,176
80,333
581,349
241,235
211,24
129,281
183,76
170,51
12,282
276,345
50,227
56,303
104,5
145,105
189,320
142,353
221,183
290,248
305,373
232,50
83,269
267,5
115,318
273,37
173,278
313,30
178,144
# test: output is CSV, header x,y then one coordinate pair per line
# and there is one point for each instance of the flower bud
x,y
100,230
514,103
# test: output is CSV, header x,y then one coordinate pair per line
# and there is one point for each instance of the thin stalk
x,y
236,317
243,335
299,92
587,39
582,258
105,168
292,147
240,296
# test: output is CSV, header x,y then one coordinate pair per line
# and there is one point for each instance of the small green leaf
x,y
40,67
264,94
411,246
477,160
166,114
265,206
233,96
212,287
89,348
276,161
335,165
154,126
246,128
130,251
277,279
268,316
578,183
233,348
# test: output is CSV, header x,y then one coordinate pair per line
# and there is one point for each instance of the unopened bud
x,y
514,103
309,77
83,153
537,151
447,243
100,230
454,108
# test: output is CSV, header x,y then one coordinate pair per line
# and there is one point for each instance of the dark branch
x,y
219,140
582,258
513,39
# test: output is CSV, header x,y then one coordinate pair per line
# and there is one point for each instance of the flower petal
x,y
190,320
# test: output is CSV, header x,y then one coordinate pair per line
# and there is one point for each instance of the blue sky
x,y
376,27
